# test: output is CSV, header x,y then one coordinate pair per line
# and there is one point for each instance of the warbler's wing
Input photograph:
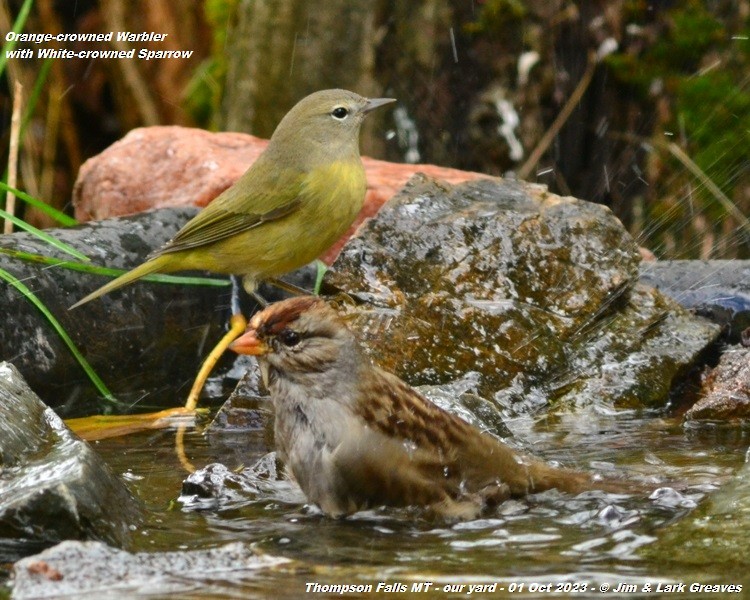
x,y
249,203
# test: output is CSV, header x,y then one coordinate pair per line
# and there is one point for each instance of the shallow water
x,y
591,540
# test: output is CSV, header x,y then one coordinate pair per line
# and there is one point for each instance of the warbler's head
x,y
327,121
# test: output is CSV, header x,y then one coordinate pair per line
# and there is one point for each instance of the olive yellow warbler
x,y
290,206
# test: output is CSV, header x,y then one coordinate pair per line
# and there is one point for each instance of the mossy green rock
x,y
536,292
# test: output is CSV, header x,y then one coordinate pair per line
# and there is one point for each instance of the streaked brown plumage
x,y
355,436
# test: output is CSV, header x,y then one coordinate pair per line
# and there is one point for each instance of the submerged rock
x,y
725,389
94,570
216,487
715,534
53,486
538,294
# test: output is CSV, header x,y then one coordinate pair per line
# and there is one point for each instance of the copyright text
x,y
525,587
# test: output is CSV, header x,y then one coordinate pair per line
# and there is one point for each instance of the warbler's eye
x,y
339,113
289,338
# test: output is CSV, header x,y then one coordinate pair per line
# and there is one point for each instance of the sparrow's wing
x,y
372,469
470,459
401,412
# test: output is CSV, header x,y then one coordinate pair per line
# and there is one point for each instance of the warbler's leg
x,y
262,302
234,299
237,324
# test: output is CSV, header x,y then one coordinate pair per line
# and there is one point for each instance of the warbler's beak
x,y
373,103
248,343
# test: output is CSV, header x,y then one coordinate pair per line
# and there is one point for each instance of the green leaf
x,y
63,247
96,270
320,271
31,297
17,27
60,217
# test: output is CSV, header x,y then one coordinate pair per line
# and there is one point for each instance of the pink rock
x,y
725,389
156,167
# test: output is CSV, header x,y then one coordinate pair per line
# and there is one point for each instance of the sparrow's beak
x,y
248,343
373,103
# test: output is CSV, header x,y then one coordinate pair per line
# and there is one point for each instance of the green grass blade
x,y
63,247
95,270
41,80
58,216
182,279
29,295
17,27
320,271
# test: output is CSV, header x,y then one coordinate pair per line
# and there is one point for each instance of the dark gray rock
x,y
242,429
538,294
146,341
92,570
146,336
53,486
716,289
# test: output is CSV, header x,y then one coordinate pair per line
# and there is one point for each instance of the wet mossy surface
x,y
537,293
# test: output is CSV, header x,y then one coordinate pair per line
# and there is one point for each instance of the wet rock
x,y
155,167
725,389
242,429
88,570
146,336
716,289
243,410
53,486
538,294
216,487
461,398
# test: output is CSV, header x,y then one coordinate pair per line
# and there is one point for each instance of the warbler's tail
x,y
150,266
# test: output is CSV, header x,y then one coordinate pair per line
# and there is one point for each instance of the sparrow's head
x,y
296,336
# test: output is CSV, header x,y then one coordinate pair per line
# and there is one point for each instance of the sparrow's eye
x,y
289,338
339,113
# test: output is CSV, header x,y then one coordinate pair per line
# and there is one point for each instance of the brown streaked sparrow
x,y
355,436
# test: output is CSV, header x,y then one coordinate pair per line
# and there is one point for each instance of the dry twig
x,y
15,134
567,110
